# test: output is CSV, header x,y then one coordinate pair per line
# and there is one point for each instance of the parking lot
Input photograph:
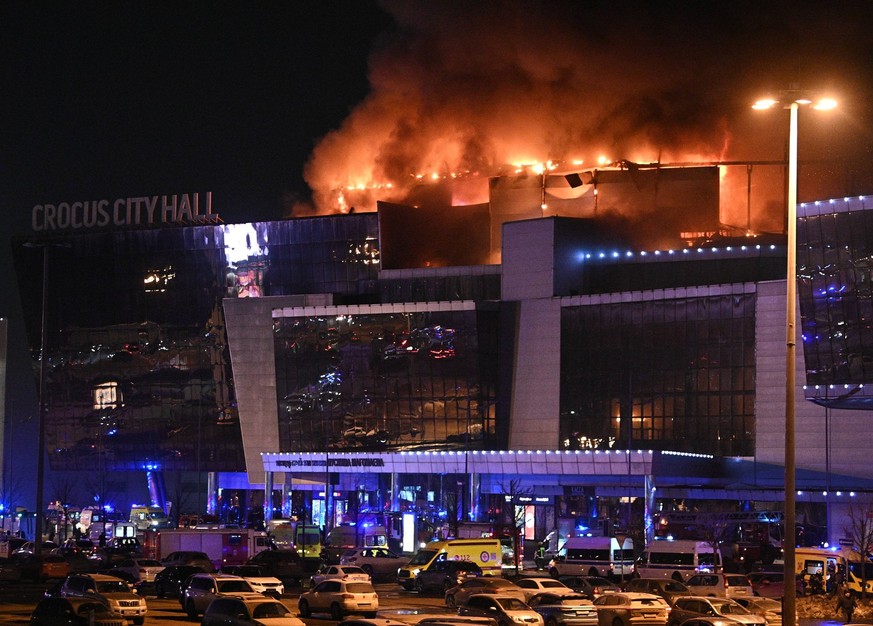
x,y
17,602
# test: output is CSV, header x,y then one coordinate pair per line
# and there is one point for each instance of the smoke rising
x,y
467,88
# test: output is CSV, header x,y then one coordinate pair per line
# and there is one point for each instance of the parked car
x,y
533,586
286,565
113,592
73,612
233,611
168,582
29,548
456,596
666,588
345,572
720,585
768,608
698,606
267,585
339,598
377,562
76,558
378,621
204,588
443,575
559,609
768,584
189,557
628,608
592,587
139,572
709,621
41,568
507,610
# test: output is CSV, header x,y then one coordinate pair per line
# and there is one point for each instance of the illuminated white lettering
x,y
104,214
50,217
35,217
184,208
116,209
168,211
75,209
63,215
135,210
151,205
176,208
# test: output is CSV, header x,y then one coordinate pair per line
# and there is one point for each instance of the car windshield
x,y
511,604
422,557
648,602
548,584
674,586
230,586
729,608
270,609
112,586
360,588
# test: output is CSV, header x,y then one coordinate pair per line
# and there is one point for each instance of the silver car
x,y
204,588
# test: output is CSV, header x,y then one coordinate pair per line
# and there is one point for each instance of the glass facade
x,y
835,287
392,381
660,374
138,372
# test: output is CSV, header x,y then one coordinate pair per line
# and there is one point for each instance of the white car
x,y
138,570
374,561
342,572
504,609
533,586
339,598
260,582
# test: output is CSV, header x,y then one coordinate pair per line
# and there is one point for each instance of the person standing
x,y
846,603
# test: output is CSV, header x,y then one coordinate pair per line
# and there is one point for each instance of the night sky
x,y
123,99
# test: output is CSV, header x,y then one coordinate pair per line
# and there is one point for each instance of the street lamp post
x,y
40,441
794,99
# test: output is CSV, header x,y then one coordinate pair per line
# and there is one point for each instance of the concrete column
x,y
268,496
211,493
648,525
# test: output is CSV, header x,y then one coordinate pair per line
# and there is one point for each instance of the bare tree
x,y
452,505
11,493
63,492
716,529
859,529
515,516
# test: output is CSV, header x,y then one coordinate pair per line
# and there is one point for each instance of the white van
x,y
594,556
677,559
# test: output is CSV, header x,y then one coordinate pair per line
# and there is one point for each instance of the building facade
x,y
282,357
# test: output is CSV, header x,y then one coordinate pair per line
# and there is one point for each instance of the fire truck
x,y
223,546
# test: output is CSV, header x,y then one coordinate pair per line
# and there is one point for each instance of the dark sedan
x,y
168,582
57,611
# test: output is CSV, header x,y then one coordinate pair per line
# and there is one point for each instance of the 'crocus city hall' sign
x,y
143,211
